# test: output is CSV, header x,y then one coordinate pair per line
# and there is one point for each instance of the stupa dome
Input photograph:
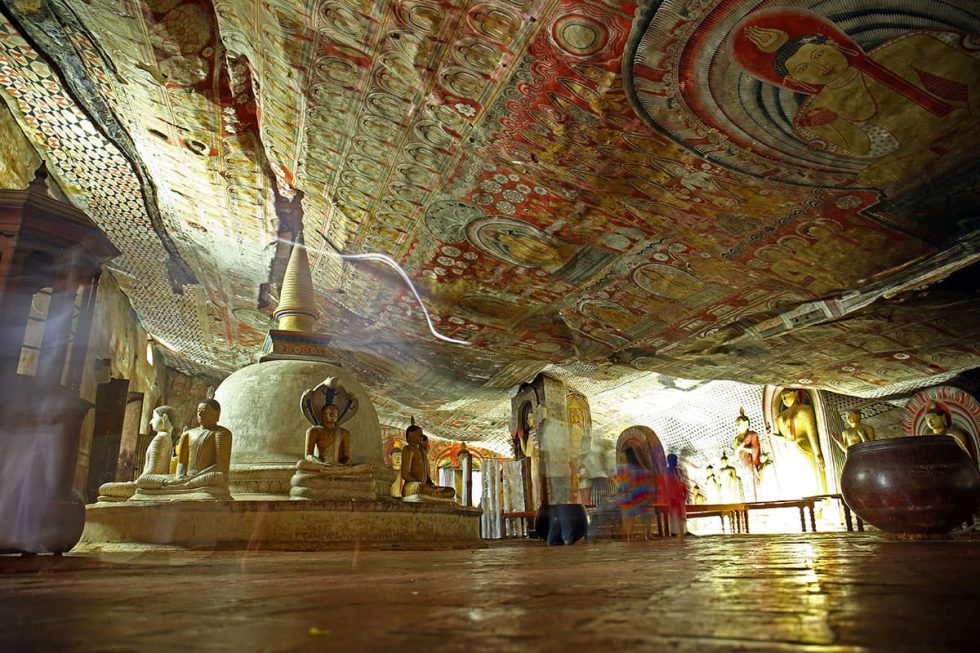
x,y
260,404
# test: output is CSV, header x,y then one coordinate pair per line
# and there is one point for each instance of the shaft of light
x,y
390,262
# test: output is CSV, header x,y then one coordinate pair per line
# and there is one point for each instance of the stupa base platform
x,y
277,525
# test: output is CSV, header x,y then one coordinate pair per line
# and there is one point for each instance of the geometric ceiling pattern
x,y
614,191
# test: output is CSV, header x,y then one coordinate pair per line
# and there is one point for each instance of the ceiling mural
x,y
836,93
608,190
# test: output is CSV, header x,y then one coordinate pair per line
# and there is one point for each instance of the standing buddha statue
x,y
855,433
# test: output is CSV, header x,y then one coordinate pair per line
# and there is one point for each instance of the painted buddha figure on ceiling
x,y
900,106
418,486
156,465
203,462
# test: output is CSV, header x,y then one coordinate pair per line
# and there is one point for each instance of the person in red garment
x,y
672,490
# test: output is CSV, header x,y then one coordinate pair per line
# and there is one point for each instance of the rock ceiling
x,y
758,191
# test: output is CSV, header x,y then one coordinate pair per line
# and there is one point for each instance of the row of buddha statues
x,y
199,466
796,437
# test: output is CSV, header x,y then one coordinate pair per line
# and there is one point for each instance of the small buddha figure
x,y
731,484
203,463
938,423
767,478
396,464
712,484
797,423
157,461
697,496
855,433
747,442
418,485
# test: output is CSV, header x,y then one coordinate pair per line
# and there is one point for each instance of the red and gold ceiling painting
x,y
605,189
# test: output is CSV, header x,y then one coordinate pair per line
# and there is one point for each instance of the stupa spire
x,y
297,299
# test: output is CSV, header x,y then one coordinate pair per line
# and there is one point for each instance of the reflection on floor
x,y
823,592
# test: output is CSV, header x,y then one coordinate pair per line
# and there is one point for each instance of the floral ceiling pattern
x,y
612,190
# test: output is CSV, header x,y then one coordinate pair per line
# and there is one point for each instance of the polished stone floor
x,y
823,592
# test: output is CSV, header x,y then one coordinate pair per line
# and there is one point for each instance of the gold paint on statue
x,y
415,471
855,433
797,423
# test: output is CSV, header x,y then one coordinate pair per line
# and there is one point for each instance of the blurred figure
x,y
672,491
634,496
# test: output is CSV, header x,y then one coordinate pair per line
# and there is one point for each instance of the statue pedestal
x,y
193,494
281,525
340,482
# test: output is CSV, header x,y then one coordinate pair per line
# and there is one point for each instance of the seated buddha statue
x,y
326,471
157,461
202,465
855,433
418,485
396,464
797,423
938,422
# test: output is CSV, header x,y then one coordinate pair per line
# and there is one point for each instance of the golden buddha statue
x,y
797,423
939,423
415,470
202,465
156,464
697,496
326,472
855,433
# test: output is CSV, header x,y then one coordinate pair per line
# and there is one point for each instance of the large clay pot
x,y
917,484
563,523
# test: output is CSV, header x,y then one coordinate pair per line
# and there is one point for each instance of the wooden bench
x,y
804,505
735,512
848,521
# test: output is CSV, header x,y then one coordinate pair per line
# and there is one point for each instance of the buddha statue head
x,y
853,418
742,421
162,419
208,412
936,418
396,458
328,404
789,398
414,434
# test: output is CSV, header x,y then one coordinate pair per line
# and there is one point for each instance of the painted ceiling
x,y
780,191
